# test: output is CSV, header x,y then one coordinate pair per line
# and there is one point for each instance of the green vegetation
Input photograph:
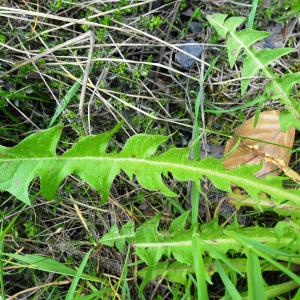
x,y
111,186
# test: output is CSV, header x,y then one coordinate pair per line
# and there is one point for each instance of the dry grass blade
x,y
265,143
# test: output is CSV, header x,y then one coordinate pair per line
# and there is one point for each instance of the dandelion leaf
x,y
244,42
88,159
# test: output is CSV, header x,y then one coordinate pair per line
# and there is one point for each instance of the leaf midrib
x,y
217,241
237,179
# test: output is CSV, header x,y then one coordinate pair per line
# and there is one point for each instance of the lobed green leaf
x,y
243,42
36,156
258,61
153,246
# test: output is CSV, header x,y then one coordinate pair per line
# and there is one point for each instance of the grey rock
x,y
275,39
188,12
195,27
212,150
191,47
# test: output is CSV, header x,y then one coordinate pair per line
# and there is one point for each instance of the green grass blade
x,y
256,289
3,293
95,295
256,247
230,288
65,101
199,268
252,13
47,264
123,277
196,143
241,107
195,195
279,289
260,246
278,265
297,296
2,235
71,291
8,227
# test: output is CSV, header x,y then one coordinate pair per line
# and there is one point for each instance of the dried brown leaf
x,y
265,143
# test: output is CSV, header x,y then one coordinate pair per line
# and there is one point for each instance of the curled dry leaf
x,y
265,143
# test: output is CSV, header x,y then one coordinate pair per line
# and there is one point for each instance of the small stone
x,y
213,150
188,12
195,27
275,39
191,47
